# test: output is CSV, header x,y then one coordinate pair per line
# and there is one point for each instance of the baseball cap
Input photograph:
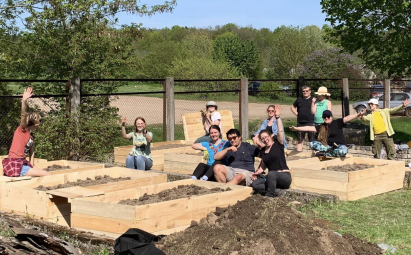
x,y
327,113
373,101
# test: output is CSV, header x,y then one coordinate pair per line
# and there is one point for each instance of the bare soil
x,y
261,226
181,191
85,183
168,146
56,167
349,167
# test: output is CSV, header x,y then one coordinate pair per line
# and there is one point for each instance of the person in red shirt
x,y
16,163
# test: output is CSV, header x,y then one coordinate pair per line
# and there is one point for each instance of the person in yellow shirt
x,y
381,131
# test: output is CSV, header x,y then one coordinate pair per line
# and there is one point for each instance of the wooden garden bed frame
x,y
388,175
54,205
121,153
75,166
104,214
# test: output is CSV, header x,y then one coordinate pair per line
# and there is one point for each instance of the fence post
x,y
74,105
300,84
170,110
346,97
244,108
164,112
387,93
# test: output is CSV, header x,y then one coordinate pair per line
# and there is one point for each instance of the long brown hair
x,y
323,134
135,126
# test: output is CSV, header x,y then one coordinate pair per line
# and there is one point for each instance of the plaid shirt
x,y
12,166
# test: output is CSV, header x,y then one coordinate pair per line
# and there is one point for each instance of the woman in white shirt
x,y
210,117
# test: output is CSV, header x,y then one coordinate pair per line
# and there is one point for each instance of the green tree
x,y
379,30
242,55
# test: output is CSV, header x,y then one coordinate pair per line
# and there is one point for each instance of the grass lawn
x,y
379,219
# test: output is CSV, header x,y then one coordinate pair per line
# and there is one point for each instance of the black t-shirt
x,y
243,158
335,132
304,110
274,160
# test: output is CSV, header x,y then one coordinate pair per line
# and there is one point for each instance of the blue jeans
x,y
139,162
340,151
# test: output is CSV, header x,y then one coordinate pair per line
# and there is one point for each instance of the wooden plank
x,y
372,172
106,210
13,179
322,184
319,174
378,180
374,190
100,223
74,192
341,195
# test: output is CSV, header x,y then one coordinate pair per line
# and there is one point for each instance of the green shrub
x,y
270,90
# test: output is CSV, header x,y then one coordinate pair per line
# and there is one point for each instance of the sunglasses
x,y
326,117
232,138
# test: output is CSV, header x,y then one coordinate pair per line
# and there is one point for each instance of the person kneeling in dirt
x,y
273,158
381,131
140,155
16,163
331,140
240,160
206,171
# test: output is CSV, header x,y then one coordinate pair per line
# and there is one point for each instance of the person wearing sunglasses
x,y
270,124
320,104
302,109
381,131
331,141
273,159
209,117
16,163
240,159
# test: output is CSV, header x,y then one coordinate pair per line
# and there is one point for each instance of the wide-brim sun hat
x,y
211,103
373,101
322,91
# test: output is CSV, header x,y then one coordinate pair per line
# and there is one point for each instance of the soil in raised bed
x,y
181,191
56,167
85,183
168,146
349,167
259,225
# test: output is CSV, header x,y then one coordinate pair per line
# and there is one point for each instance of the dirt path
x,y
151,108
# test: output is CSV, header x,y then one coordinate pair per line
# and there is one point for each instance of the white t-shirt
x,y
216,116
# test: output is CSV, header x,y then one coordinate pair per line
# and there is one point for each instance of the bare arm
x,y
294,110
280,133
261,168
26,95
221,154
148,136
198,146
314,106
329,105
31,153
353,116
306,129
123,129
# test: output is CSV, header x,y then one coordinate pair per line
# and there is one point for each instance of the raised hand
x,y
314,100
123,121
277,110
406,102
28,92
360,114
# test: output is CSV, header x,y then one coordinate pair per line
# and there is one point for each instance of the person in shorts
x,y
302,109
240,161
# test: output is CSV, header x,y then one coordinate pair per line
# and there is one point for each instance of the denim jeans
x,y
139,162
340,151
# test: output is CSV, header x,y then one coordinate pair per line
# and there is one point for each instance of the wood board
x,y
101,213
54,206
388,175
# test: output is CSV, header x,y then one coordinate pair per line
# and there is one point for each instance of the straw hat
x,y
322,91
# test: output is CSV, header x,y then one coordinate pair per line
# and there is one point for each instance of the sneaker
x,y
320,154
280,193
204,178
193,177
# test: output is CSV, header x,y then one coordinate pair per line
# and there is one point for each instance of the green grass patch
x,y
379,219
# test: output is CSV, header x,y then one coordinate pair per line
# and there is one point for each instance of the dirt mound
x,y
56,167
181,191
260,225
349,167
85,183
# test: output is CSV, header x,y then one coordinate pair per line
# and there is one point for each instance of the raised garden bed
x,y
103,213
386,175
54,205
157,152
67,166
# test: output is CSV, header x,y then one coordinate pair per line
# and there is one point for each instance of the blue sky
x,y
257,13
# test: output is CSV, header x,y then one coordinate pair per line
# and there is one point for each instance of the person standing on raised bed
x,y
302,109
210,117
203,171
320,104
240,160
273,159
331,140
270,124
16,163
140,155
381,131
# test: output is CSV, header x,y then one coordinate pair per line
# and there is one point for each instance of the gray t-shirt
x,y
243,158
140,145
